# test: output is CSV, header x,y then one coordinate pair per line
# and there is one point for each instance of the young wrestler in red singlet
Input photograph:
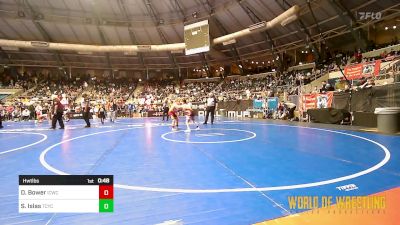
x,y
173,113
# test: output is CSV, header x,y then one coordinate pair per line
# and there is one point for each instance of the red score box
x,y
106,192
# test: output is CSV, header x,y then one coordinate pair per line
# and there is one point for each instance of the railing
x,y
132,92
212,79
301,67
250,76
377,52
11,94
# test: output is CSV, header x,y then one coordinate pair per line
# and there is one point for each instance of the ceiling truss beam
x,y
102,35
132,35
232,47
303,28
251,13
33,17
344,12
156,20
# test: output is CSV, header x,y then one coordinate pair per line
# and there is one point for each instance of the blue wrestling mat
x,y
232,172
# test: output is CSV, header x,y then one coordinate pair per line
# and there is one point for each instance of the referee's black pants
x,y
86,116
210,110
165,115
1,121
57,117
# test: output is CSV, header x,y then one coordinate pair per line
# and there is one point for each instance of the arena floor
x,y
232,172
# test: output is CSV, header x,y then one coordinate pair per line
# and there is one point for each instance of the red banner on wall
x,y
366,69
308,102
316,100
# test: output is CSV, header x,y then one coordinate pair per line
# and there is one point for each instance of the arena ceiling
x,y
144,22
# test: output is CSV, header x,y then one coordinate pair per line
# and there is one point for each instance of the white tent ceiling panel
x,y
135,8
21,29
243,21
30,29
164,8
123,36
37,4
74,21
8,29
67,32
111,35
73,5
171,35
53,31
81,33
93,33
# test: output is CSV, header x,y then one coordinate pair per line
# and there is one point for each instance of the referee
x,y
165,110
58,110
210,109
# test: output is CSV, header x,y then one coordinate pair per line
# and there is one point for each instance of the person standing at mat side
x,y
1,115
102,113
210,109
86,111
58,110
114,109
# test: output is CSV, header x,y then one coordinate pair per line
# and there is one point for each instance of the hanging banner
x,y
316,100
324,100
366,69
308,101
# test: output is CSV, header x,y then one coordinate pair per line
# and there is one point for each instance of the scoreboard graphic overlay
x,y
66,193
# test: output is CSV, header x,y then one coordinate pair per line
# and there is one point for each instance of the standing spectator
x,y
108,110
358,56
86,111
130,109
315,91
1,115
211,104
367,84
102,113
31,109
114,108
324,88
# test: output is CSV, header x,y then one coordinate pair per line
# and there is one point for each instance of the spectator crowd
x,y
120,94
